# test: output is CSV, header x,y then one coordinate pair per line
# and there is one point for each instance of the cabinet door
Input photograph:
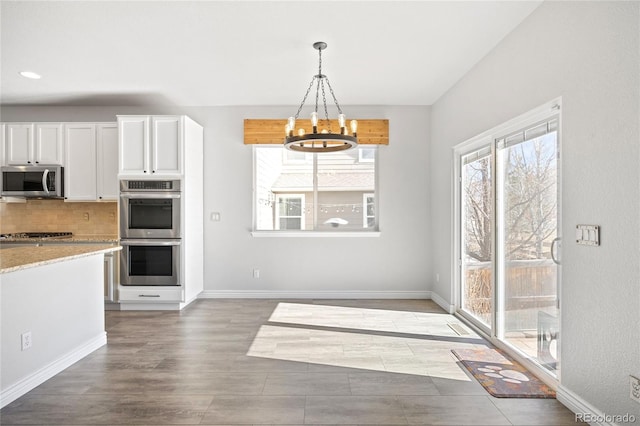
x,y
166,147
133,135
48,143
107,161
19,144
80,162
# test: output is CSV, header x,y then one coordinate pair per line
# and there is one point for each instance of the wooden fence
x,y
530,286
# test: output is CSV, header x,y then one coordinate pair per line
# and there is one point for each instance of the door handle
x,y
556,241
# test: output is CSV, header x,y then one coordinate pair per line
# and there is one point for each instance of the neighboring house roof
x,y
326,182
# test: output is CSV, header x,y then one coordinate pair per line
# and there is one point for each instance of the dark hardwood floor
x,y
278,362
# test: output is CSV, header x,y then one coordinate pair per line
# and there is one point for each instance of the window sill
x,y
314,234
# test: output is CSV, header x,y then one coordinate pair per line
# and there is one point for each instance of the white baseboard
x,y
257,294
582,408
451,309
40,376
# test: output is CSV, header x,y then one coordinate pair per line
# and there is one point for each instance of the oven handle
x,y
145,195
149,242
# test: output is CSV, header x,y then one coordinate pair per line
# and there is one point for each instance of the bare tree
x,y
479,204
530,199
529,204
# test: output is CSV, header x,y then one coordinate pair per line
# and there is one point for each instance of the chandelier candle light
x,y
325,140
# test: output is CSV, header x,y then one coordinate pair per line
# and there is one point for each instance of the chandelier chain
x,y
326,111
305,97
318,92
335,100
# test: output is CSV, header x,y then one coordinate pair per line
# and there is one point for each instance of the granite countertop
x,y
18,258
106,238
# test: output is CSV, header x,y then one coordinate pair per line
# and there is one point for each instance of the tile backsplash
x,y
58,216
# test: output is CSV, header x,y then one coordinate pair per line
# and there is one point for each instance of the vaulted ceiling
x,y
243,52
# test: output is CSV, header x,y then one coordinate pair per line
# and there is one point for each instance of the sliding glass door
x,y
509,210
477,236
528,231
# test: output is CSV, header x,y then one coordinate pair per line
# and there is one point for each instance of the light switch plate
x,y
588,235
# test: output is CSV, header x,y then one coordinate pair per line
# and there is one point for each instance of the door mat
x,y
501,376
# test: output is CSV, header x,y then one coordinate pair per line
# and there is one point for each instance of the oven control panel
x,y
150,185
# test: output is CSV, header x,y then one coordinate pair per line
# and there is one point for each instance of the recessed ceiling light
x,y
30,74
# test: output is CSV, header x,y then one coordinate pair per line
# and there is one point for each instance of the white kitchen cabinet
x,y
172,146
151,145
19,144
133,133
33,143
48,143
166,145
107,161
80,173
91,162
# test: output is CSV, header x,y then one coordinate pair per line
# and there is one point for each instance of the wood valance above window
x,y
260,132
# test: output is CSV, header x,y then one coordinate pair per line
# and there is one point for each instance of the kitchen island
x,y
51,311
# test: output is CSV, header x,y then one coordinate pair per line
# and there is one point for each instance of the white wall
x,y
395,264
588,53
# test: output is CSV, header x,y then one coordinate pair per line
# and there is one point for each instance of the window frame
x,y
365,204
362,159
365,231
278,216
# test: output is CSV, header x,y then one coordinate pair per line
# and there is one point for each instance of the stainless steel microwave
x,y
33,181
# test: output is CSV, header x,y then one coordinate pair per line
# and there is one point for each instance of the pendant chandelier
x,y
323,140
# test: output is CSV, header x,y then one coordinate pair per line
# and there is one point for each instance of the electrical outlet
x,y
85,216
256,273
26,340
634,389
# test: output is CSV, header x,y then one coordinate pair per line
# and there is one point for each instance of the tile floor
x,y
278,362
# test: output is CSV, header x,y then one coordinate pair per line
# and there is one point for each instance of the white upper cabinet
x,y
19,144
91,162
107,161
49,144
80,173
133,133
166,145
30,144
150,145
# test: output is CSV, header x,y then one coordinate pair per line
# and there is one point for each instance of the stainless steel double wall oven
x,y
150,232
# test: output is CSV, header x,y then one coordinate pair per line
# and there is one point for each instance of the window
x,y
369,212
366,154
290,211
332,192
